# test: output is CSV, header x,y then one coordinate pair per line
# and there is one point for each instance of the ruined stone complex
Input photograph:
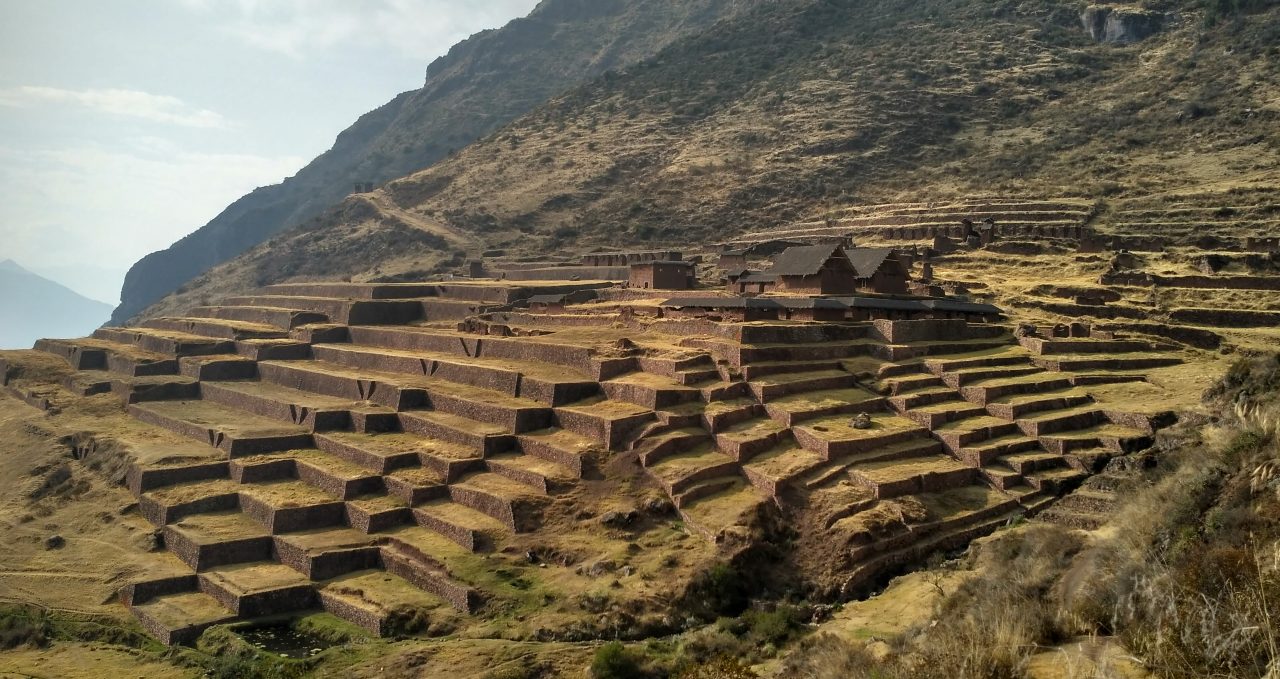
x,y
357,447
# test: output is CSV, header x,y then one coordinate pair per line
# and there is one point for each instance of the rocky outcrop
x,y
1120,25
482,84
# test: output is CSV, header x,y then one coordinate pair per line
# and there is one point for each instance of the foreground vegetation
x,y
1187,579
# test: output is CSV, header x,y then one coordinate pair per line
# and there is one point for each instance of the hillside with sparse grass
x,y
803,107
482,84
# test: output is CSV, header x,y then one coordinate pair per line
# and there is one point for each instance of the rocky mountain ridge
x,y
481,84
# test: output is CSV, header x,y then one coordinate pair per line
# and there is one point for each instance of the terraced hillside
x,y
347,447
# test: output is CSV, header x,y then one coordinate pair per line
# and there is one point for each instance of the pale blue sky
x,y
126,124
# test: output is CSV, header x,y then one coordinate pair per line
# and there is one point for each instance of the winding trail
x,y
383,203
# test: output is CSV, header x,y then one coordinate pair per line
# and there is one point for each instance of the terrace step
x,y
171,503
543,476
970,431
797,408
1088,362
176,619
374,599
109,356
905,476
276,317
986,391
324,553
170,343
654,392
914,447
1055,421
343,311
987,450
384,453
745,440
604,420
1056,481
717,415
835,437
926,396
215,367
217,539
653,448
769,388
416,485
677,473
313,411
1115,438
290,506
514,504
336,476
959,378
1075,518
483,437
1001,477
1088,500
902,384
704,489
473,530
1032,461
217,328
402,392
273,349
232,431
534,381
772,470
941,366
256,589
379,511
936,415
761,369
421,569
562,447
1023,405
132,389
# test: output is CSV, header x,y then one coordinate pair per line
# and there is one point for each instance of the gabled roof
x,y
868,261
805,260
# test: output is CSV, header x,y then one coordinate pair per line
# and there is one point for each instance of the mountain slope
x,y
32,307
481,84
801,106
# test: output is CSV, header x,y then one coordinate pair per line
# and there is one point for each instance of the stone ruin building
x,y
313,436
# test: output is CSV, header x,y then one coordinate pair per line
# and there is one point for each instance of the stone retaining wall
x,y
140,479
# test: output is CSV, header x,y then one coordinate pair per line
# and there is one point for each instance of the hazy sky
x,y
126,124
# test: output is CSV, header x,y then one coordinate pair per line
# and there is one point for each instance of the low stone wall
x,y
610,432
288,519
513,418
140,592
141,479
469,539
1195,337
202,557
325,565
924,330
402,559
1227,318
1270,283
565,273
162,514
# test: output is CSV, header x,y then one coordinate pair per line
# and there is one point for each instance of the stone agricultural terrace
x,y
376,450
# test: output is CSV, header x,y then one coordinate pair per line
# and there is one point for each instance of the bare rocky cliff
x,y
482,84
